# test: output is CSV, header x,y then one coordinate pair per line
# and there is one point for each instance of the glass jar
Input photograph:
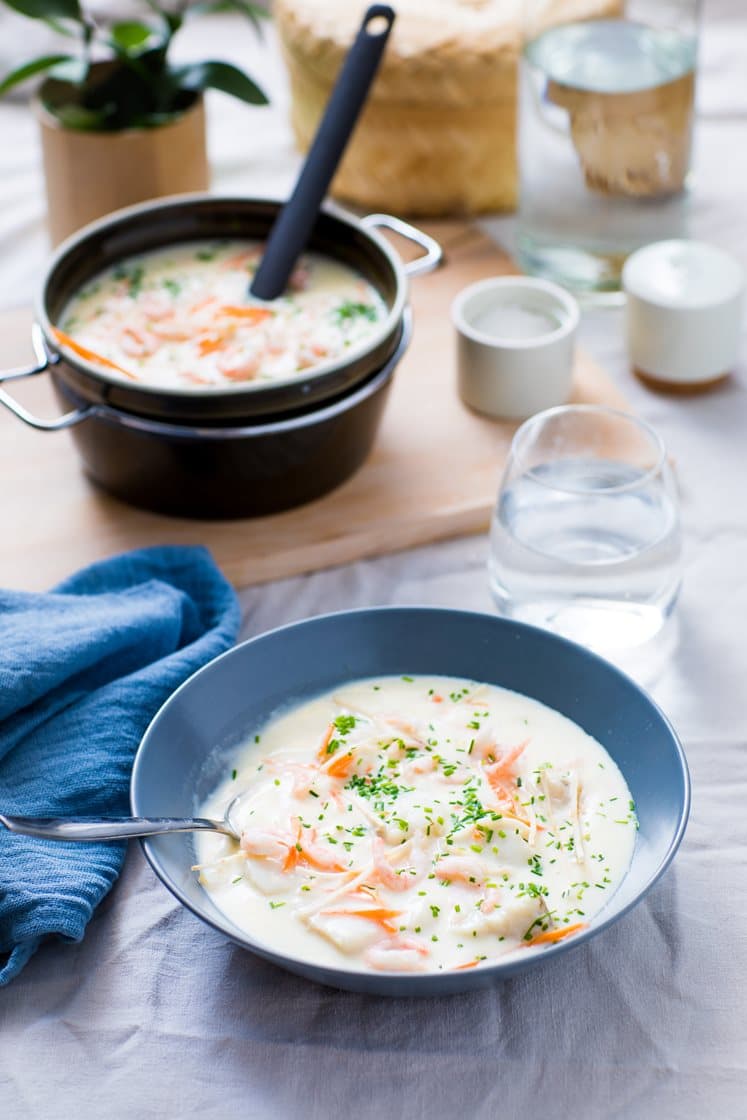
x,y
605,136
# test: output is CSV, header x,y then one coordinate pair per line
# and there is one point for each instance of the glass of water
x,y
605,129
585,538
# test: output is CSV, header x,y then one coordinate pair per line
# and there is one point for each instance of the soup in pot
x,y
181,317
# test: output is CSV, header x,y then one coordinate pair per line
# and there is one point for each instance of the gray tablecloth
x,y
154,1015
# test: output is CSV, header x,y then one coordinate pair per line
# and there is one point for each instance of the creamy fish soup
x,y
416,824
181,317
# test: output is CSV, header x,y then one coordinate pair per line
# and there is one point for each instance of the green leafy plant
x,y
121,76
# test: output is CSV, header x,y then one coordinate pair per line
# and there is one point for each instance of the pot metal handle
x,y
433,253
44,360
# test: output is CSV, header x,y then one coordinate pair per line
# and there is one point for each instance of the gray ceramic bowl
x,y
184,751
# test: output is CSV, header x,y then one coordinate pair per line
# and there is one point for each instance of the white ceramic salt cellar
x,y
515,337
683,312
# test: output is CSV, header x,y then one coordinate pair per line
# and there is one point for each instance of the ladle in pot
x,y
292,228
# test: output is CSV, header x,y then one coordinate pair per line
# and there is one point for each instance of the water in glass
x,y
589,547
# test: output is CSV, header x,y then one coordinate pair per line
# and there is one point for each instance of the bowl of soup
x,y
428,800
184,393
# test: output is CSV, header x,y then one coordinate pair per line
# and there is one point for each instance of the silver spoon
x,y
119,828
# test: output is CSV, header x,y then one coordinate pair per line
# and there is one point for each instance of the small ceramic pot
x,y
515,338
684,314
89,174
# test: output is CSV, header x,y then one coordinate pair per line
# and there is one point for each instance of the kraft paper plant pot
x,y
88,174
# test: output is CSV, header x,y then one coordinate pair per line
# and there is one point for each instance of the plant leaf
x,y
123,92
63,28
47,9
74,71
82,120
173,19
29,69
129,35
222,76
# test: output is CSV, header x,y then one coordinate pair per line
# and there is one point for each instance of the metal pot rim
x,y
151,209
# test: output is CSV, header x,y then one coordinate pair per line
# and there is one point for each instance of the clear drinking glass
x,y
585,537
605,131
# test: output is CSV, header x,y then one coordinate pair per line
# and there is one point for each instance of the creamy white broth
x,y
439,824
181,317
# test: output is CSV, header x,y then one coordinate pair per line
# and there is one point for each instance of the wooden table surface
x,y
433,473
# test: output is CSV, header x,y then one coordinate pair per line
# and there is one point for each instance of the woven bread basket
x,y
438,135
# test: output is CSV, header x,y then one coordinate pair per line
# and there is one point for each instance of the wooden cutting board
x,y
433,473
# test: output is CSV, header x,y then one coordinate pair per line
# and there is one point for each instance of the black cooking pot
x,y
153,225
243,451
220,471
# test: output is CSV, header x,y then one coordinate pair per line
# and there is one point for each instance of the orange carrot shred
x,y
551,935
341,766
215,341
461,967
380,915
238,374
251,314
322,752
292,858
89,355
201,303
307,859
298,855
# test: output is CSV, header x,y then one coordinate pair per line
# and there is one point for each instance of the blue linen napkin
x,y
83,669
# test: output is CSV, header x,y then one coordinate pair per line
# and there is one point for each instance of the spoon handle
x,y
293,225
113,828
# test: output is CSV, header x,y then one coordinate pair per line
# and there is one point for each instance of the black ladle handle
x,y
292,228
